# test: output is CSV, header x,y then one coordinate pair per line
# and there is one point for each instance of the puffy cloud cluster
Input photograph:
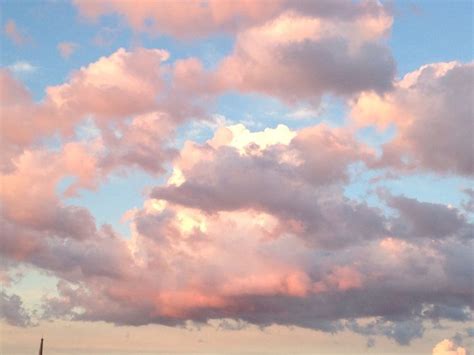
x,y
213,16
249,226
122,84
447,347
115,87
429,220
432,115
12,310
273,241
294,50
216,177
131,104
299,57
39,229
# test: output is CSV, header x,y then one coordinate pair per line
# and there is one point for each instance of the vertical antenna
x,y
41,347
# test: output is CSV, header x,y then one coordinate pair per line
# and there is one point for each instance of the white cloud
x,y
304,113
22,66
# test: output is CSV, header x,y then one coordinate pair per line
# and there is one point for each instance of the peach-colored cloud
x,y
189,264
300,255
428,111
142,143
35,178
250,225
22,120
447,347
311,56
122,84
393,246
273,158
344,278
113,88
66,49
39,228
195,19
315,48
192,250
12,31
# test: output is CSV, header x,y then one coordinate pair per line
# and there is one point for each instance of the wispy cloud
x,y
22,67
304,113
66,49
15,34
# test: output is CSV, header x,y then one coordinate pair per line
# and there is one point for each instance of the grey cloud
x,y
428,220
434,119
328,65
13,312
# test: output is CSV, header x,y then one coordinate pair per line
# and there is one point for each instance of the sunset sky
x,y
237,177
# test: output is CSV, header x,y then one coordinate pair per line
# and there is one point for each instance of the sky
x,y
237,177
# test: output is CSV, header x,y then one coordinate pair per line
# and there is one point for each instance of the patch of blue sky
x,y
210,50
63,25
33,285
257,111
446,190
118,194
430,31
93,39
376,138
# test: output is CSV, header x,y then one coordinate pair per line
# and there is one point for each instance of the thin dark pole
x,y
41,347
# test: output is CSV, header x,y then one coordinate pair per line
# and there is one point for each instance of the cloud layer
x,y
428,107
213,243
255,227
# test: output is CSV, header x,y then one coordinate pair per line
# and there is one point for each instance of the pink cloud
x,y
428,111
272,164
303,255
202,19
111,89
335,48
122,84
298,57
341,278
447,347
253,226
169,17
40,207
141,143
14,33
66,49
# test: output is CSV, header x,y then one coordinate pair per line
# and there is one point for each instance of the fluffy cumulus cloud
x,y
247,227
447,347
12,310
213,16
278,245
299,57
131,105
114,87
295,50
429,220
433,121
122,84
216,177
